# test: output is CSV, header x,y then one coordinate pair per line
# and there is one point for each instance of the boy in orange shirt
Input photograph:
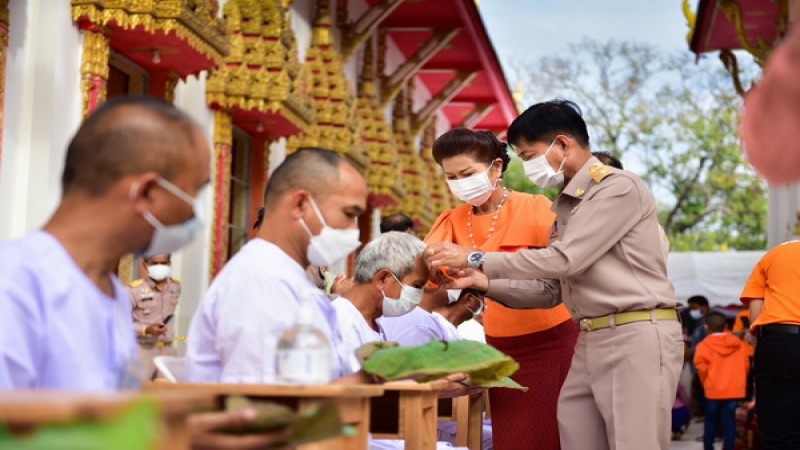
x,y
722,362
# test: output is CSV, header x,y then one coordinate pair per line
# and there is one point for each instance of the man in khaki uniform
x,y
607,250
154,299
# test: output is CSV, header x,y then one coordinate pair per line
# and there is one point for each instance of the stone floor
x,y
689,439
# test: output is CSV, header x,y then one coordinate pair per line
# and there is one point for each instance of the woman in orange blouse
x,y
541,340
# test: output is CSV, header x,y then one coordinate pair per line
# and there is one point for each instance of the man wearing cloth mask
x,y
154,298
136,167
607,250
388,283
312,203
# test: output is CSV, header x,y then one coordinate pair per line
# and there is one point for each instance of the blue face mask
x,y
696,314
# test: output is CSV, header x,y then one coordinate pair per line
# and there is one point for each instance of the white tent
x,y
719,276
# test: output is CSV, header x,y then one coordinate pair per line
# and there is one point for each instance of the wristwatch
x,y
475,260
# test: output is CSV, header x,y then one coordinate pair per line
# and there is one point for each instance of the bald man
x,y
311,205
131,174
131,178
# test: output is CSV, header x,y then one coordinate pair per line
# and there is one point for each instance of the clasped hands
x,y
448,267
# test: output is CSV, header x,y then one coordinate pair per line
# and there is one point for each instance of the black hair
x,y
397,222
259,218
716,322
608,159
127,135
482,145
308,168
698,300
544,121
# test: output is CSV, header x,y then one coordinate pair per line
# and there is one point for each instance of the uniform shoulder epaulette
x,y
599,171
175,280
136,283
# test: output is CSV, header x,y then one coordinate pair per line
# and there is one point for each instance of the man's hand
x,y
457,386
341,284
204,431
155,329
462,279
750,338
446,254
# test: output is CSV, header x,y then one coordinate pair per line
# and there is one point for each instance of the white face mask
x,y
453,295
159,272
696,314
540,172
478,311
410,297
474,189
168,239
331,245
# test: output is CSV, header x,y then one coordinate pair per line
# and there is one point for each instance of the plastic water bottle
x,y
304,353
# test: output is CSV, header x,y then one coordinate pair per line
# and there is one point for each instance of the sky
x,y
530,29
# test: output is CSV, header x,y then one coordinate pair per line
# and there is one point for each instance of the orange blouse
x,y
524,222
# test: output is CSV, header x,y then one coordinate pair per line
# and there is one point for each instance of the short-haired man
x,y
607,249
397,222
388,282
154,298
135,167
312,203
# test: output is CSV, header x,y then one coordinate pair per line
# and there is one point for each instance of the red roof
x,y
414,22
714,31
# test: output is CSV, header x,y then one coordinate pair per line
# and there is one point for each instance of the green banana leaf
x,y
136,427
313,424
485,365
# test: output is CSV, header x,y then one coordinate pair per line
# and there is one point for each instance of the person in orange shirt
x,y
722,364
495,218
773,296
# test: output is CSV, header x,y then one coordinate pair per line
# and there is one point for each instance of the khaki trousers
x,y
147,352
619,392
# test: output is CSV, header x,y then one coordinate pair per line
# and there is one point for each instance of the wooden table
x,y
467,412
353,402
32,409
408,410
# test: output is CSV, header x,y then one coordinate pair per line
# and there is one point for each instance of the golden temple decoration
x,y
262,74
193,21
691,20
376,137
334,125
410,190
94,68
435,190
223,144
759,49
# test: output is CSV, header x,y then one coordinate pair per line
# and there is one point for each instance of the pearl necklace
x,y
494,221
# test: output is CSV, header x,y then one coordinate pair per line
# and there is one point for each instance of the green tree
x,y
672,121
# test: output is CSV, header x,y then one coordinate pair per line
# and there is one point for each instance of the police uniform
x,y
152,306
607,249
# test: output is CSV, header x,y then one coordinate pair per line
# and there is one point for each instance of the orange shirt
x,y
722,364
524,222
776,279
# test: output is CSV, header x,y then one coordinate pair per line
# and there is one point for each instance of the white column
x,y
784,204
192,264
43,109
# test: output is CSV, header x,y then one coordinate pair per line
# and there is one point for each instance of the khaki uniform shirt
x,y
151,306
606,247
